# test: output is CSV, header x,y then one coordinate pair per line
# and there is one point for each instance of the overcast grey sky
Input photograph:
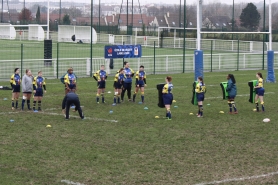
x,y
159,1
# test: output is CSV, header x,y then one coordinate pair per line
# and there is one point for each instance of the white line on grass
x,y
236,95
56,114
71,182
239,179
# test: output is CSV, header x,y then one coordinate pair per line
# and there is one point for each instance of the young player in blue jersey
x,y
15,84
140,83
259,88
200,93
232,91
100,76
38,86
128,81
70,81
168,96
118,83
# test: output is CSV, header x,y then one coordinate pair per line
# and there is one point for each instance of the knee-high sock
x,y
119,100
262,103
201,110
142,96
134,96
28,104
16,103
22,104
12,102
115,98
169,113
230,106
257,106
39,105
34,104
234,105
102,97
97,97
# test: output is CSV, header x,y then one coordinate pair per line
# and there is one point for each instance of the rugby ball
x,y
266,120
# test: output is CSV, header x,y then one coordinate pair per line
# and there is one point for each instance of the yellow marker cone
x,y
48,126
191,113
174,101
156,116
221,112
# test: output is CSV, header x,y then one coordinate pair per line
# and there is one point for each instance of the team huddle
x,y
122,83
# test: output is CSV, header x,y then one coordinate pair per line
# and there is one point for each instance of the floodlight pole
x,y
270,27
99,17
233,23
126,17
47,35
198,25
91,44
184,36
263,35
60,11
2,11
24,12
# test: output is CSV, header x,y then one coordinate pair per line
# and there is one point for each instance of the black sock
x,y
34,105
39,105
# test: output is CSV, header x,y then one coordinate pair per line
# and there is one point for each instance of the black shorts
x,y
16,88
39,92
140,85
101,84
167,99
200,96
118,85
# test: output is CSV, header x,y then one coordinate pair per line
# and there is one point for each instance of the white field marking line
x,y
56,114
71,182
239,179
237,95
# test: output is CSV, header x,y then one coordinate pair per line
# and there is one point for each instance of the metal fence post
x,y
211,56
154,57
57,63
21,60
237,54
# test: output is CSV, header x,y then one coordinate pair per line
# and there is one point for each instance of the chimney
x,y
168,14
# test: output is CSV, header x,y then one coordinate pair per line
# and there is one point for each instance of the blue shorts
x,y
101,84
118,85
200,96
39,92
167,99
140,85
16,88
260,91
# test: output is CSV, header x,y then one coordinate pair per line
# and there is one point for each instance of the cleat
x,y
129,100
12,108
104,102
114,104
169,119
97,102
199,116
230,113
235,112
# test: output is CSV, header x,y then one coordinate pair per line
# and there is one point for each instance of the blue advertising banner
x,y
123,51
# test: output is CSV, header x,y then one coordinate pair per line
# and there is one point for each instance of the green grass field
x,y
130,146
